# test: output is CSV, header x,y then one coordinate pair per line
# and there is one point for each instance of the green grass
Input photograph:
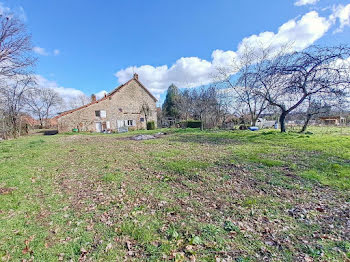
x,y
116,177
184,166
207,195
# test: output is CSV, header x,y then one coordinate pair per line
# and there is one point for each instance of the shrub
x,y
230,227
151,125
194,124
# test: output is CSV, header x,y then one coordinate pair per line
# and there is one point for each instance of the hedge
x,y
151,125
191,124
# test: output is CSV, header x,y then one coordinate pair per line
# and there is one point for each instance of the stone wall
x,y
125,104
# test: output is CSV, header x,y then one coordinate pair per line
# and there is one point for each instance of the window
x,y
130,123
142,119
100,113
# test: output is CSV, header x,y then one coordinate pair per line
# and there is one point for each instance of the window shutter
x,y
103,113
108,125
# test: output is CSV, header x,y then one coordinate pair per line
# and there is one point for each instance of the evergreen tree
x,y
171,103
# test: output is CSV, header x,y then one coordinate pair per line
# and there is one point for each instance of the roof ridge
x,y
120,86
108,95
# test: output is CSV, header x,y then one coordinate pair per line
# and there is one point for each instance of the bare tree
x,y
224,106
3,117
12,96
146,111
77,101
15,47
287,81
204,103
41,102
15,62
320,104
207,104
314,107
240,78
184,104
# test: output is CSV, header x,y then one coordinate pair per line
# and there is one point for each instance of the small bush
x,y
230,227
151,125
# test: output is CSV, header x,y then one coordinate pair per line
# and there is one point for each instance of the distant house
x,y
122,108
332,120
28,120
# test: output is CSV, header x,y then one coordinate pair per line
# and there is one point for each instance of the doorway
x,y
99,127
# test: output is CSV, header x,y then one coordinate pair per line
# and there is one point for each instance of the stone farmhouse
x,y
121,108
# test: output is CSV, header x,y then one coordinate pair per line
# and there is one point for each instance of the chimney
x,y
136,76
93,98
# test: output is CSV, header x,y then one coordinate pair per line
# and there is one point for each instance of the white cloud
x,y
193,71
305,2
223,58
56,52
72,97
65,92
302,33
40,51
101,94
342,13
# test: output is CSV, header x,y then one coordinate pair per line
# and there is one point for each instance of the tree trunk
x,y
282,121
307,120
20,127
202,126
14,127
254,122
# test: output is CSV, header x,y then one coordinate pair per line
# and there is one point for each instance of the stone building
x,y
129,105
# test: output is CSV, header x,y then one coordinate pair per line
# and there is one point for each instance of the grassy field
x,y
189,195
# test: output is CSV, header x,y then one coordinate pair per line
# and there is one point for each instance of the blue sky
x,y
89,46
